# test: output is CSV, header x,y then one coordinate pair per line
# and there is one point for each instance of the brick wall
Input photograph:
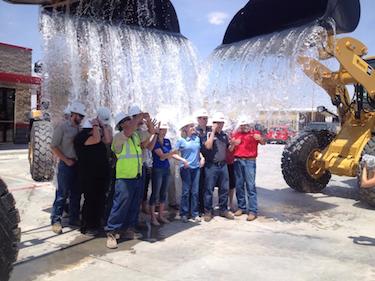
x,y
15,60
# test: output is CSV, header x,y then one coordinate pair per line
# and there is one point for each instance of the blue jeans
x,y
160,179
216,175
125,208
245,171
190,184
67,185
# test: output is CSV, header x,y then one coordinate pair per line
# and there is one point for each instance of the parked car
x,y
279,134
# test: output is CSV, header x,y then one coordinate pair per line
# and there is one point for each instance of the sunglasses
x,y
124,120
205,118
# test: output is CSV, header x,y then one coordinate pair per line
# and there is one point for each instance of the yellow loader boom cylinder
x,y
342,155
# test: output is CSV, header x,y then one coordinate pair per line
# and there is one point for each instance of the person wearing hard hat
x,y
191,160
161,154
125,208
67,178
147,130
228,129
104,117
202,130
93,174
216,170
244,144
66,113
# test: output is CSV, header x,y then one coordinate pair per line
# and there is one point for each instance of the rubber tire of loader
x,y
294,158
41,158
10,234
367,195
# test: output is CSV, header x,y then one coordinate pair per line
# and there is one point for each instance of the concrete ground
x,y
324,236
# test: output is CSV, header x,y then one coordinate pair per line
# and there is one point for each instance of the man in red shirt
x,y
244,145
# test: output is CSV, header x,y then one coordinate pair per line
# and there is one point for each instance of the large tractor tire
x,y
41,159
10,234
295,162
367,195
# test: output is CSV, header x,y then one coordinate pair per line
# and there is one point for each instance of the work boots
x,y
238,213
111,241
251,217
227,214
57,228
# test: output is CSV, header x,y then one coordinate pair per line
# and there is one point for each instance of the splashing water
x,y
114,66
262,74
107,65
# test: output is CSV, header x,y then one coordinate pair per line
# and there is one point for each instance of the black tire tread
x,y
42,163
294,157
10,233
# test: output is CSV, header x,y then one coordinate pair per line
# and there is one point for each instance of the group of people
x,y
113,171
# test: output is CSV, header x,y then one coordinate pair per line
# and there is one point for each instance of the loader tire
x,y
41,159
294,161
367,195
9,232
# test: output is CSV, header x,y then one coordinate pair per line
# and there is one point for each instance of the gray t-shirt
x,y
63,137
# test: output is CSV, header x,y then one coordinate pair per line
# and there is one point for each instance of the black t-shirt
x,y
92,159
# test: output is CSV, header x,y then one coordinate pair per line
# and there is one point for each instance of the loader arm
x,y
342,155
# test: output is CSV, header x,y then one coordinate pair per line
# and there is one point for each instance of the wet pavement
x,y
323,236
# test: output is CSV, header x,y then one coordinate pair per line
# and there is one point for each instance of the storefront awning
x,y
19,79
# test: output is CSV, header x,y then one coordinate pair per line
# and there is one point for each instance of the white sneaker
x,y
197,219
111,241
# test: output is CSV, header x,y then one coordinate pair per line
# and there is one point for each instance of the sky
x,y
202,21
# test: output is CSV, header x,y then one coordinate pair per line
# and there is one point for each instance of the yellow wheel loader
x,y
310,159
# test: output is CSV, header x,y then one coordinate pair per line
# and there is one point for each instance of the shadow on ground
x,y
287,205
71,254
363,240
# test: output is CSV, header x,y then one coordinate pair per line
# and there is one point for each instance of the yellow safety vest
x,y
129,161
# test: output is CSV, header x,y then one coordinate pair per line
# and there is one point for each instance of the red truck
x,y
279,134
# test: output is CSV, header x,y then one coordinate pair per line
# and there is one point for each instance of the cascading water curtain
x,y
262,74
114,66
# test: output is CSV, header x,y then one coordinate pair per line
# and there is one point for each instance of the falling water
x,y
262,74
108,65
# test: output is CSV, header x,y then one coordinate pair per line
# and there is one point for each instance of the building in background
x,y
18,91
295,118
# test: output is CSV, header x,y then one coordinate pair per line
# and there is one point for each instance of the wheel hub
x,y
314,165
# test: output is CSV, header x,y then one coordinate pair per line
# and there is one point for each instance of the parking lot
x,y
324,236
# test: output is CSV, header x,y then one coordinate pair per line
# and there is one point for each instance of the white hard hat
x,y
77,107
67,110
120,116
164,125
218,117
186,121
243,121
201,113
104,115
87,124
134,110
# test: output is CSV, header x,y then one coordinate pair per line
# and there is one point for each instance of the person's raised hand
x,y
214,127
